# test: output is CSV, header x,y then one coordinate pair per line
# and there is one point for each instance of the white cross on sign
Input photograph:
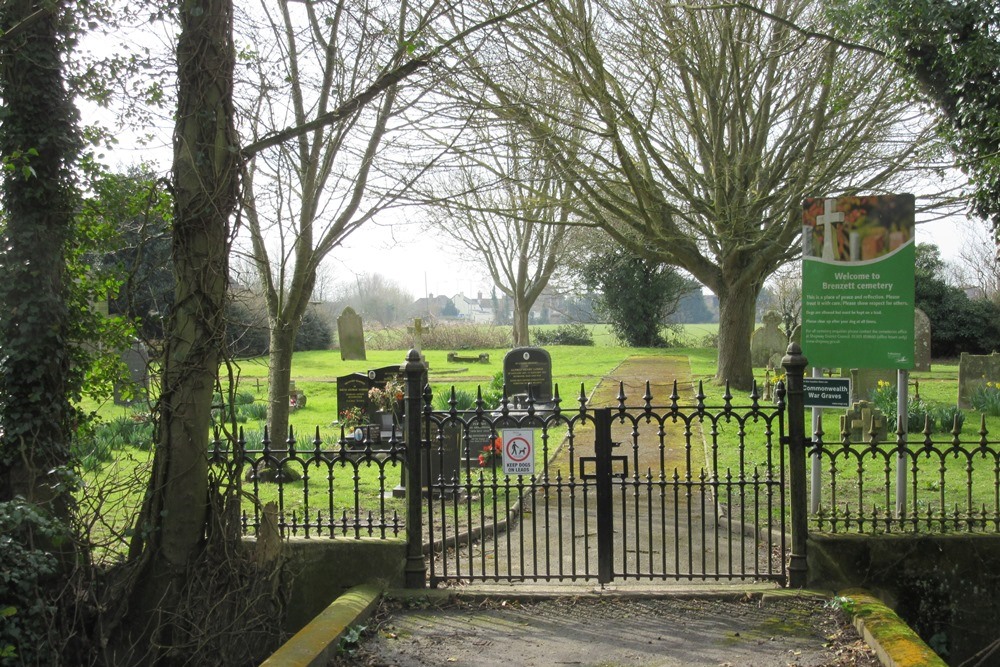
x,y
518,451
830,215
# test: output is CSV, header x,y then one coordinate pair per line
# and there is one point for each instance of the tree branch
x,y
380,85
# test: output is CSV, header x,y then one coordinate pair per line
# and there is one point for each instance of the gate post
x,y
795,366
415,571
602,472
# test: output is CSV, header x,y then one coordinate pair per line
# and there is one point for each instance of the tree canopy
x,y
951,48
699,129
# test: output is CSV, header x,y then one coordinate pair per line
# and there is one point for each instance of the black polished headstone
x,y
525,367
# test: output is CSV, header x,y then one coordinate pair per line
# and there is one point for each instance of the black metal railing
x,y
321,489
913,483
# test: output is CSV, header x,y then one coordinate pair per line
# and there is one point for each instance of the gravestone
x,y
352,392
296,397
480,437
859,421
975,370
865,380
525,367
351,333
767,341
417,332
136,359
921,341
377,379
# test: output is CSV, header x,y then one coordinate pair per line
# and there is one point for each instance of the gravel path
x,y
610,631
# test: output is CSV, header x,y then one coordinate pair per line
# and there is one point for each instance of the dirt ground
x,y
608,632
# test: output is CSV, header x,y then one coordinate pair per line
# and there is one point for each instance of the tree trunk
x,y
737,304
205,178
38,198
520,328
279,376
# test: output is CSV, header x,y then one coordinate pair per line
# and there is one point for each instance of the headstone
x,y
377,379
351,332
859,421
975,370
296,397
525,367
352,392
136,359
479,438
768,340
921,341
865,380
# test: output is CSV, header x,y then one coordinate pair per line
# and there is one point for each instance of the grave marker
x,y
768,341
352,392
528,367
975,370
351,333
136,359
921,341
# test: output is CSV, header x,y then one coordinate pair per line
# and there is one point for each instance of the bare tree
x,y
978,266
306,195
507,205
785,287
703,128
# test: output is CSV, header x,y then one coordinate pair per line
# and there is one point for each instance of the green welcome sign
x,y
857,282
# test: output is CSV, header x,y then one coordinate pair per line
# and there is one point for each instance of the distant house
x,y
478,310
429,306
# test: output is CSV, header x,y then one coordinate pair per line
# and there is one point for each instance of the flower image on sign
x,y
857,282
518,451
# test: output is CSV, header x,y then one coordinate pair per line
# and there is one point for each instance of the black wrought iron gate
x,y
617,494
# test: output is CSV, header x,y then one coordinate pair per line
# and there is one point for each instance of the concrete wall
x,y
319,570
944,586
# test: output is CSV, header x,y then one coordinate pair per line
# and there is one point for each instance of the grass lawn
x,y
861,471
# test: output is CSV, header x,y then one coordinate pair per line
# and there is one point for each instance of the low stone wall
x,y
943,586
321,570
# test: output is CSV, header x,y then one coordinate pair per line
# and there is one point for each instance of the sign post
x,y
858,259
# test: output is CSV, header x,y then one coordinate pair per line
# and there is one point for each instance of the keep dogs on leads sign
x,y
518,451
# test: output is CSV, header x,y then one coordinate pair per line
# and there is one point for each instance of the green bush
x,y
28,627
567,334
947,417
256,412
314,332
986,398
940,418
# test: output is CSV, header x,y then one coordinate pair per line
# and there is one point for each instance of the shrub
x,y
457,336
567,334
252,412
986,398
947,417
940,418
314,332
884,398
27,633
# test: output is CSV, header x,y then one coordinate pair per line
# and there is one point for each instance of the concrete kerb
x,y
316,644
894,642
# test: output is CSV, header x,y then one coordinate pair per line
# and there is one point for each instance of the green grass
x,y
316,373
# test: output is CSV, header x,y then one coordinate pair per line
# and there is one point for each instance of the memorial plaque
x,y
525,367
